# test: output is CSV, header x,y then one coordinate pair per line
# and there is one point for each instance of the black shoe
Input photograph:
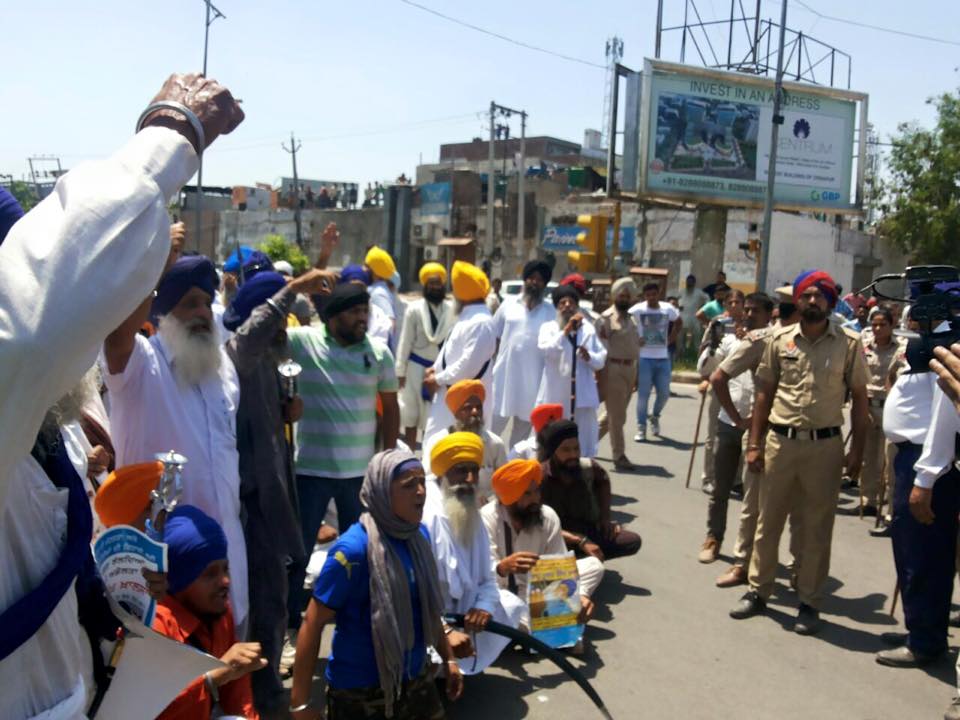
x,y
808,620
893,639
882,530
737,490
869,511
904,657
849,483
750,604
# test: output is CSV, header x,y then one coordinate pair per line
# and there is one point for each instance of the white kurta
x,y
379,325
418,336
519,366
152,412
381,297
526,449
71,271
468,349
557,370
467,580
494,456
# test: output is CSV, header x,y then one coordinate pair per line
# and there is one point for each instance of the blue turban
x,y
188,272
232,263
356,272
252,294
10,212
194,540
258,262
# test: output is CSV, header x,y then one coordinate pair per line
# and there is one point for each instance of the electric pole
x,y
521,176
772,165
206,41
294,146
491,172
495,131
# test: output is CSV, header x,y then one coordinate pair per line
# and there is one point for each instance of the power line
x,y
519,43
857,23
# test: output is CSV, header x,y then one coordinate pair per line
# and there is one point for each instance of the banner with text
x,y
562,238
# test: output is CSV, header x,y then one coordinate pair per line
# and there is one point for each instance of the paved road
x,y
662,645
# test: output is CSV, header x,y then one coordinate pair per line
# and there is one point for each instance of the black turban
x,y
343,297
556,432
565,291
537,266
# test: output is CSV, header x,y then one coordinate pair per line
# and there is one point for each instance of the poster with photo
x,y
553,596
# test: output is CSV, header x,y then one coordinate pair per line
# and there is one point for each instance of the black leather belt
x,y
798,434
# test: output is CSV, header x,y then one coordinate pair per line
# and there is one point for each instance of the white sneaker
x,y
655,426
288,654
641,435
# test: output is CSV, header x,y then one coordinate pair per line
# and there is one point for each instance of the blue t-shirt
x,y
344,586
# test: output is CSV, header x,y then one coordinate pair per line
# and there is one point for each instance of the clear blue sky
x,y
369,87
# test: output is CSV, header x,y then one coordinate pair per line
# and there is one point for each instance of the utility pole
x,y
521,176
206,41
491,172
294,146
772,166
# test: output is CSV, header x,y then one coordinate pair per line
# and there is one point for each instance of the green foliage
x,y
24,194
277,248
921,199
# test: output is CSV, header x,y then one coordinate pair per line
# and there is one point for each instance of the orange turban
x,y
511,481
543,415
455,448
460,392
125,494
469,282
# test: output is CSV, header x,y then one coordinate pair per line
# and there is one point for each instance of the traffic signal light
x,y
593,241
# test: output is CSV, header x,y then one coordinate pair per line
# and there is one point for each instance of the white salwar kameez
x,y
555,386
71,271
418,336
467,579
468,349
519,366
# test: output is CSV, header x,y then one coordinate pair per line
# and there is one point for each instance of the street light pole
x,y
772,165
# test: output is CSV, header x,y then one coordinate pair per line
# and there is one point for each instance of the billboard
x,y
435,200
562,238
705,137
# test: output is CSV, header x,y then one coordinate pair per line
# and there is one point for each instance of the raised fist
x,y
212,103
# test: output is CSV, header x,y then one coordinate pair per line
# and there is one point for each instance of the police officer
x,y
618,331
802,381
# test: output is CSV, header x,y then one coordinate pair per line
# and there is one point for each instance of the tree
x,y
921,199
24,194
277,248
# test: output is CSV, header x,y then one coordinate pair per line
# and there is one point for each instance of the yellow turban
x,y
455,448
432,268
470,283
125,494
460,392
511,481
380,262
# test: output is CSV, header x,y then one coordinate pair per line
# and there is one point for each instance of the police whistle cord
x,y
531,643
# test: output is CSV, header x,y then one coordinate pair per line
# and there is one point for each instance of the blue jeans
x,y
653,373
315,494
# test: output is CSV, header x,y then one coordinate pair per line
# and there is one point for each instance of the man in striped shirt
x,y
344,372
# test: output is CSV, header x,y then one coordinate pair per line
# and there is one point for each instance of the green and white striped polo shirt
x,y
339,386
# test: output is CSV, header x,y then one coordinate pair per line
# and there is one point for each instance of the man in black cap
x,y
519,365
579,491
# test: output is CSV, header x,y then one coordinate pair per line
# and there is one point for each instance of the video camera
x,y
930,308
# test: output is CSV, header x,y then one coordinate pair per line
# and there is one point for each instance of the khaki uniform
x,y
618,332
876,450
811,379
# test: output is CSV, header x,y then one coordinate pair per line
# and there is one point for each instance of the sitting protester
x,y
462,551
541,416
579,490
380,584
197,612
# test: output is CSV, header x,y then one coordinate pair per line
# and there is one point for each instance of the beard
x,y
435,297
813,314
570,469
564,317
195,356
529,517
69,408
623,306
533,295
471,424
460,508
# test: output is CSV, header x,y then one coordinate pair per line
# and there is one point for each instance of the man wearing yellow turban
x,y
534,530
382,295
468,352
425,327
465,401
462,551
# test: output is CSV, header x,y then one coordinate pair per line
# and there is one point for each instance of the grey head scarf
x,y
391,609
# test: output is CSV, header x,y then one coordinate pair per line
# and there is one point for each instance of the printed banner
x,y
561,238
121,553
553,596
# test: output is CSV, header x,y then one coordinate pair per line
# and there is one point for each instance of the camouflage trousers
x,y
419,700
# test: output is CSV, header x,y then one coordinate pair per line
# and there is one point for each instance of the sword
x,y
532,643
165,497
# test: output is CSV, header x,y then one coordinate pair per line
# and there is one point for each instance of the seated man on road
x,y
579,490
462,551
522,528
465,400
197,612
541,416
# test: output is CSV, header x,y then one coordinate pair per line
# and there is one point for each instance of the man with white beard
x,y
91,250
560,340
461,547
179,390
